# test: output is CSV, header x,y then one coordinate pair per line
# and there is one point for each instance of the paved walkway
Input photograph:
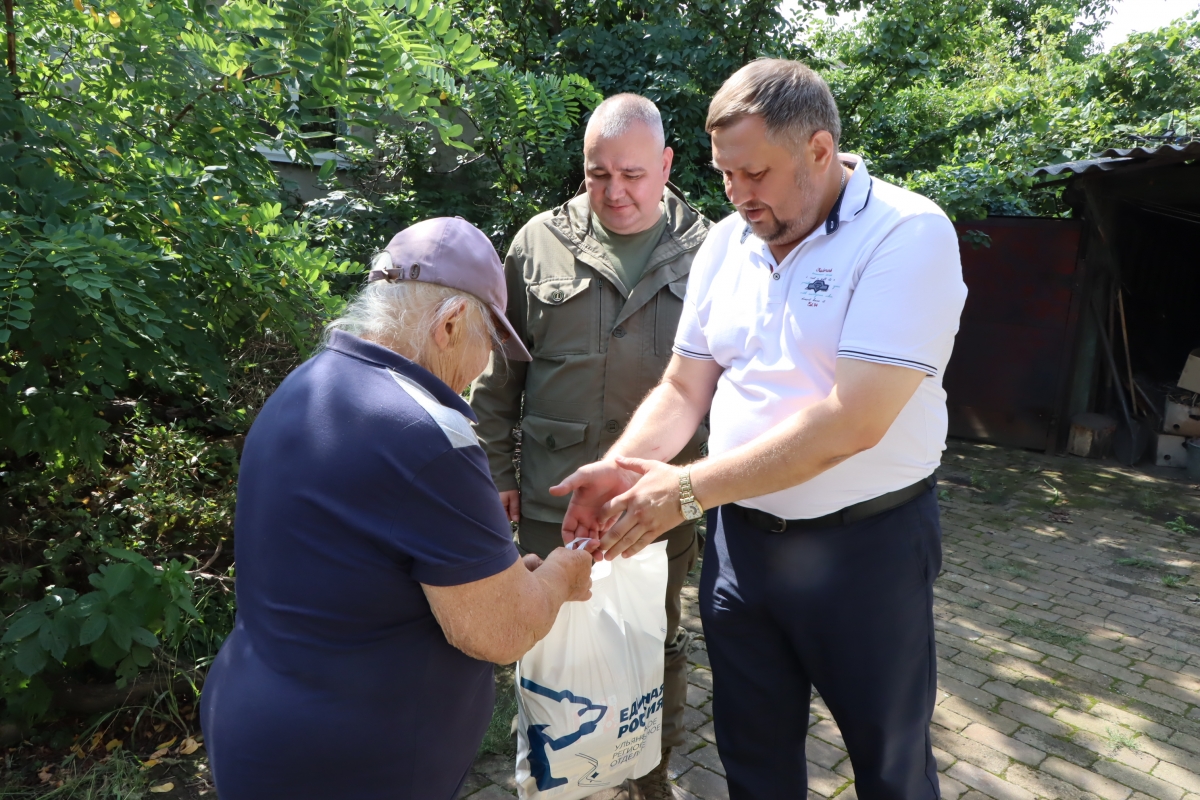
x,y
1068,640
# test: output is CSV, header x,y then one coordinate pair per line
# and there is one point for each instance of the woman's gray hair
x,y
401,315
618,113
793,101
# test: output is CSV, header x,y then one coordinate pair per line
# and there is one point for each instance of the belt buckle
x,y
779,525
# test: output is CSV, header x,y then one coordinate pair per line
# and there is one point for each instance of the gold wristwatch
x,y
687,501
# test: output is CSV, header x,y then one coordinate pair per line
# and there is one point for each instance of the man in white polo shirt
x,y
817,324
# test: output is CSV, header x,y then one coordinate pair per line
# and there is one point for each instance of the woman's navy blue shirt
x,y
360,480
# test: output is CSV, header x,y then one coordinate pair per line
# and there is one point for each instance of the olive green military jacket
x,y
598,347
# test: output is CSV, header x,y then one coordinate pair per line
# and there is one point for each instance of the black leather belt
x,y
855,513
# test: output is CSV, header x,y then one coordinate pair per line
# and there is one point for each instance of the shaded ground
x,y
103,759
1068,621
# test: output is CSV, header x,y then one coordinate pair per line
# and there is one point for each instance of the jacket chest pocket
x,y
563,316
668,309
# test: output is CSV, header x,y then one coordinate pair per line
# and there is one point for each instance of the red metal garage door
x,y
1007,378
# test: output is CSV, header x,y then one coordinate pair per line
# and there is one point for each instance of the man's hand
x,y
511,500
650,508
591,487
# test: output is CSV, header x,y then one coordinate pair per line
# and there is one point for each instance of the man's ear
x,y
821,149
668,159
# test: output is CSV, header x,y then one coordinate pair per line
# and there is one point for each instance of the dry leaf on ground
x,y
162,787
189,746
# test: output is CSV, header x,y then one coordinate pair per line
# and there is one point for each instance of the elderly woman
x,y
376,574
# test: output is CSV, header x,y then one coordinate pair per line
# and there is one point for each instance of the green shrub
x,y
80,596
133,607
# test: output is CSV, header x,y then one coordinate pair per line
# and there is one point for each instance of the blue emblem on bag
x,y
539,762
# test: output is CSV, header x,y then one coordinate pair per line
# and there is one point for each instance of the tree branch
x,y
204,567
208,576
91,172
886,91
11,26
219,87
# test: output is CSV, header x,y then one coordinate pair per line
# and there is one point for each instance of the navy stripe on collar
x,y
834,220
870,186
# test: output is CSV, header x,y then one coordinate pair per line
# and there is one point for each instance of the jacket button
x,y
550,441
774,276
619,332
611,426
557,295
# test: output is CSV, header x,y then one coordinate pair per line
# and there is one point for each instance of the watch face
x,y
692,511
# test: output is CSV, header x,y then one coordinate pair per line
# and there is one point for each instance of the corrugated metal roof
x,y
1114,159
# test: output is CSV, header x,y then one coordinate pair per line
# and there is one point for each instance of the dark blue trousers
x,y
847,611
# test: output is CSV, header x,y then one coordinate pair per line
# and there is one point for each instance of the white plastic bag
x,y
590,695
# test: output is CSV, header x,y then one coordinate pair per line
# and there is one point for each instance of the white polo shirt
x,y
879,281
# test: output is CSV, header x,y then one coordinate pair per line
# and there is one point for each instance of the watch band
x,y
686,495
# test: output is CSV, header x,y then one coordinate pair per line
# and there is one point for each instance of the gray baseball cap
x,y
450,251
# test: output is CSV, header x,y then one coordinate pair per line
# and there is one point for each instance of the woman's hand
x,y
499,618
577,569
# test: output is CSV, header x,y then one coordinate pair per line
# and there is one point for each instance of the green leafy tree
x,y
143,237
144,241
677,55
958,99
994,95
517,124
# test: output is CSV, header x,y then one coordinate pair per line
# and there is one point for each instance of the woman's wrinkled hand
x,y
576,566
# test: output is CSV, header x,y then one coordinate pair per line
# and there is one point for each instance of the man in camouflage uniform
x,y
595,290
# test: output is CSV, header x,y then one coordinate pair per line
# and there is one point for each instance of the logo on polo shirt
x,y
818,287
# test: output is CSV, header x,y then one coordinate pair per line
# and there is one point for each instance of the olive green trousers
x,y
535,536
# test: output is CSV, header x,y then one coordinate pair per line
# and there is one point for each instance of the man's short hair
x,y
618,113
793,101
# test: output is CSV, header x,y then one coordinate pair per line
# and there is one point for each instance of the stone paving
x,y
1068,642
